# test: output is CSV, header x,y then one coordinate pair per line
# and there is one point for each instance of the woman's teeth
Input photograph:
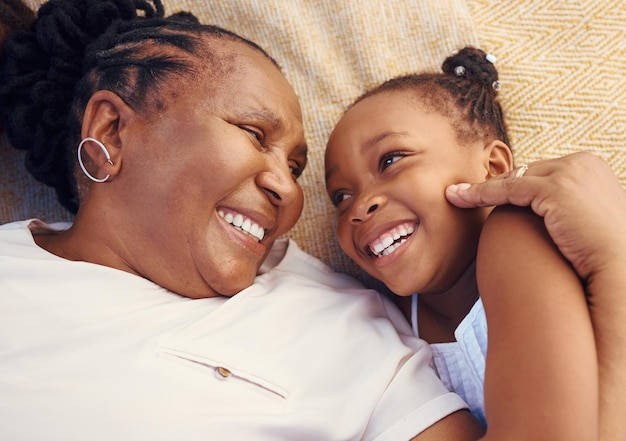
x,y
243,224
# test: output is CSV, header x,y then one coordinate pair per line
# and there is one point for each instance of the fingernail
x,y
455,188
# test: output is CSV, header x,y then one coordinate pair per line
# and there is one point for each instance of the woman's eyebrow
x,y
270,118
265,115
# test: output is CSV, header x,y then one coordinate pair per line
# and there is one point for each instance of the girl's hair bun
x,y
474,64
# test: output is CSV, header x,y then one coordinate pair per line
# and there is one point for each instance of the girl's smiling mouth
x,y
391,240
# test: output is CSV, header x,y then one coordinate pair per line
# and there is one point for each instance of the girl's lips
x,y
391,239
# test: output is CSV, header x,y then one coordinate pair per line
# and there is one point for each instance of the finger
x,y
496,191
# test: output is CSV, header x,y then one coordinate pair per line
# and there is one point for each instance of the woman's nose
x,y
279,183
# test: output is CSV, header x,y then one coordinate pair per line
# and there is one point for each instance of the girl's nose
x,y
365,208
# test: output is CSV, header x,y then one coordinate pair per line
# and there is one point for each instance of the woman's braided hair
x,y
14,14
465,91
77,47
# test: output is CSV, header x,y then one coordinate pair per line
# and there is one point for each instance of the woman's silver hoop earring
x,y
80,159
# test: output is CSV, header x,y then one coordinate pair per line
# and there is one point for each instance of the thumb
x,y
496,191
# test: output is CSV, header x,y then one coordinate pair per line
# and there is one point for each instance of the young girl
x,y
388,163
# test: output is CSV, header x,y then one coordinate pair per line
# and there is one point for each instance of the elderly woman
x,y
179,145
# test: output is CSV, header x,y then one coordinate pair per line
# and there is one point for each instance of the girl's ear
x,y
498,158
106,117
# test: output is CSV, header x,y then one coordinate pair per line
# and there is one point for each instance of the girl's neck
x,y
439,314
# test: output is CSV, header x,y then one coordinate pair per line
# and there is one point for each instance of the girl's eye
x,y
338,197
389,159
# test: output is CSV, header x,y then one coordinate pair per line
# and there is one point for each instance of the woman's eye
x,y
389,159
257,134
296,169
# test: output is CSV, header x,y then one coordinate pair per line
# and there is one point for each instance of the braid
x,y
481,87
465,92
14,14
77,47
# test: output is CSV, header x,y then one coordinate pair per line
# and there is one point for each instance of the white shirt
x,y
90,352
461,364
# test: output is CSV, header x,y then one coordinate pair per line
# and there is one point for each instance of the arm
x,y
607,304
584,210
541,374
458,426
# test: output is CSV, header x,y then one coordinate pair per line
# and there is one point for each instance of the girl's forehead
x,y
376,110
384,102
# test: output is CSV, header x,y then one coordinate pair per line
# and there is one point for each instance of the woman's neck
x,y
68,245
84,241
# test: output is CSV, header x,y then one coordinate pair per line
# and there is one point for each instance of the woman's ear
x,y
498,158
105,118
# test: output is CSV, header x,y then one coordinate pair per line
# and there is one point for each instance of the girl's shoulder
x,y
517,259
512,228
514,252
511,216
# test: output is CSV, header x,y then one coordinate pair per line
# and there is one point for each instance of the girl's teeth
x,y
391,240
387,241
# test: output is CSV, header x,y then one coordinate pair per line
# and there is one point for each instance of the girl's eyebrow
x,y
370,143
378,138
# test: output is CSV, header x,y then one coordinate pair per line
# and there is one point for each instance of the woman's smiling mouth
x,y
244,224
390,240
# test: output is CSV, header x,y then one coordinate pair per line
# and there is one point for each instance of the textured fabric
x,y
21,196
562,67
461,364
112,356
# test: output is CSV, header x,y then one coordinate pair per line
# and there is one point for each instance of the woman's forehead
x,y
235,68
